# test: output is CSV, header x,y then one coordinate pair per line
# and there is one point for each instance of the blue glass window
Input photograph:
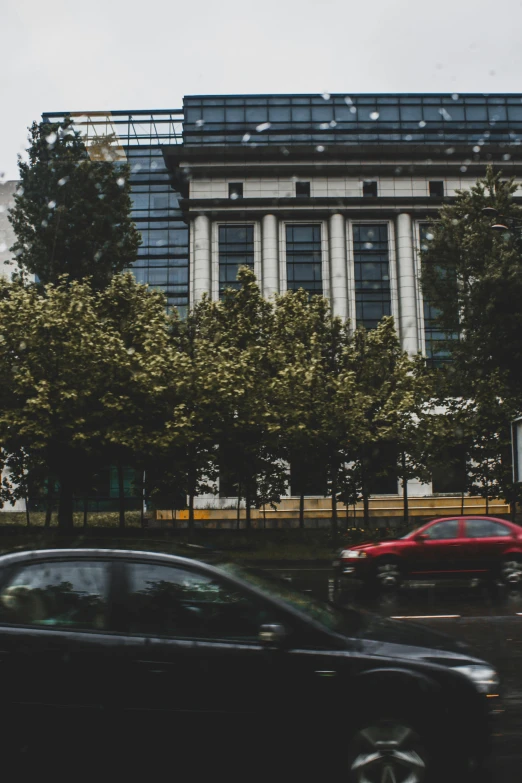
x,y
303,258
236,248
372,274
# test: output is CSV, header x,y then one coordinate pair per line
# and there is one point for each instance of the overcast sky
x,y
115,54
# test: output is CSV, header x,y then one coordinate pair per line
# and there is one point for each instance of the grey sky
x,y
123,54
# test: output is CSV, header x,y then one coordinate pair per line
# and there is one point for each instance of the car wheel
x,y
511,571
388,574
388,750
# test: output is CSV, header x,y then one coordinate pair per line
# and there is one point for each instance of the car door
x,y
193,654
485,541
438,549
56,644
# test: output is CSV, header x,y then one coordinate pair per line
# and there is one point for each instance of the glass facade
x,y
353,119
163,257
304,258
372,274
236,248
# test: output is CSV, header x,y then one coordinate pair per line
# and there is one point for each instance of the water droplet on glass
x,y
131,350
455,96
429,237
325,96
320,148
63,180
422,124
22,346
476,148
246,138
333,123
20,191
120,181
285,151
324,126
466,162
445,114
487,134
398,169
371,233
51,204
348,100
353,109
263,127
506,156
136,167
408,137
368,245
374,115
51,138
463,168
45,223
233,196
450,150
200,123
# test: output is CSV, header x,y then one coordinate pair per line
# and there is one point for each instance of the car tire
x,y
511,570
389,749
387,574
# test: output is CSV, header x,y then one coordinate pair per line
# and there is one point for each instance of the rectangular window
x,y
235,190
236,248
370,189
303,258
372,274
437,188
302,189
437,352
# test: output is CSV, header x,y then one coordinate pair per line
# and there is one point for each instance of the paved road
x,y
489,620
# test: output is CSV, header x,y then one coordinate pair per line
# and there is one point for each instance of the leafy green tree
x,y
72,209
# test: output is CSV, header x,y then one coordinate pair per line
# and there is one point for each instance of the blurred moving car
x,y
157,648
460,546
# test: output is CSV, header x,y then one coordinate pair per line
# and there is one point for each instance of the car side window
x,y
449,528
485,528
172,601
66,594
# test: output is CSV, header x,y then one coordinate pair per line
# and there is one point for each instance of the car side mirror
x,y
272,634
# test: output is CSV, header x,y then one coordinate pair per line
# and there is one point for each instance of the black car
x,y
213,663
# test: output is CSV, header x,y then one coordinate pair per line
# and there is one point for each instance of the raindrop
x,y
408,137
463,168
487,134
325,96
20,191
3,247
63,180
429,237
320,148
444,114
455,222
2,209
22,346
481,142
120,181
368,245
285,151
450,150
51,204
263,127
506,156
422,124
324,126
348,100
97,255
476,148
333,123
517,142
136,167
466,162
353,109
200,123
455,96
51,138
131,350
246,138
371,233
233,196
398,169
374,115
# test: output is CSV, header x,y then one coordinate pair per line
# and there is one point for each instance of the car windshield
x,y
342,621
411,533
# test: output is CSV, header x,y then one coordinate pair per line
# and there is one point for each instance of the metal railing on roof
x,y
132,128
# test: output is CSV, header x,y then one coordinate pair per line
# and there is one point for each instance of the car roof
x,y
36,555
468,517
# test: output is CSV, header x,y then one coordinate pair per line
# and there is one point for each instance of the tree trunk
x,y
66,502
121,495
301,510
238,524
366,509
406,509
143,495
462,504
85,509
27,512
335,520
191,512
247,509
487,501
49,506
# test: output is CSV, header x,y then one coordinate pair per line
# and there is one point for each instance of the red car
x,y
459,546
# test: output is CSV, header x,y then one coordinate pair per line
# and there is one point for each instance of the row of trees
x,y
95,372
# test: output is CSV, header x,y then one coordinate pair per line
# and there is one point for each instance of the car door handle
x,y
325,672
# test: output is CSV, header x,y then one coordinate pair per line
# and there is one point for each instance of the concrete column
x,y
338,266
270,255
202,268
408,324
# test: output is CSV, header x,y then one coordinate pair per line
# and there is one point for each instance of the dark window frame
x,y
302,190
370,188
436,188
235,190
